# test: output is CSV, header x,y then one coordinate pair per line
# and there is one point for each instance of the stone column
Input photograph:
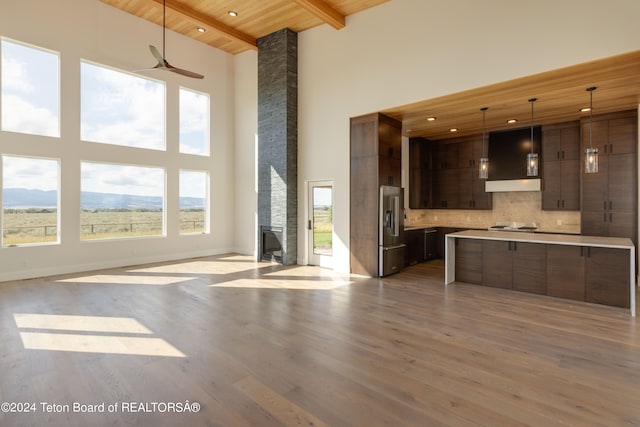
x,y
278,139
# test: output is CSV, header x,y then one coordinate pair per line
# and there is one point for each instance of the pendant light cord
x,y
484,111
164,25
591,117
532,100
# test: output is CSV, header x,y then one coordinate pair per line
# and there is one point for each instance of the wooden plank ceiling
x,y
560,96
255,18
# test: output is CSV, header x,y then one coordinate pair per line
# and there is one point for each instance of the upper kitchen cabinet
x,y
455,182
419,173
610,196
376,146
561,166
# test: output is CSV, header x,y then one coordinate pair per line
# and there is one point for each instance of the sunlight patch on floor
x,y
90,334
64,322
199,267
124,279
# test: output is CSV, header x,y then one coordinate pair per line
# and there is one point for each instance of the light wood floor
x,y
257,344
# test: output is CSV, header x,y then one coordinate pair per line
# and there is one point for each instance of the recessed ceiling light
x,y
430,119
453,130
511,121
585,110
201,30
232,13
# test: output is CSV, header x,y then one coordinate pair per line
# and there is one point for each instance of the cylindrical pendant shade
x,y
483,173
591,160
532,164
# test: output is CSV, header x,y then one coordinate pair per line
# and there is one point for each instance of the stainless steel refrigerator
x,y
391,233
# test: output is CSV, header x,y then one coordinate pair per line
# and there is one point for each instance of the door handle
x,y
309,226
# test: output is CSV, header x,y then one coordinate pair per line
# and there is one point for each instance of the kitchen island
x,y
584,268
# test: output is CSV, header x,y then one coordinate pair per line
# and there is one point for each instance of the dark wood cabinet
x,y
610,196
514,265
565,272
414,252
561,166
375,160
419,173
445,189
469,261
568,270
529,260
607,276
456,184
497,264
591,274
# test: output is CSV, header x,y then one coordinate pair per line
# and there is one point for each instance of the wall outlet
x,y
559,222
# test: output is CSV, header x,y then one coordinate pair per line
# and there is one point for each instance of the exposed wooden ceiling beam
x,y
324,12
210,24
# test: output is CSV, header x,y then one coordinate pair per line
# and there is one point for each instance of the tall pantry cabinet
x,y
610,196
376,159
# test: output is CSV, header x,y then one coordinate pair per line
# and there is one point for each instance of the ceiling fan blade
x,y
180,71
156,54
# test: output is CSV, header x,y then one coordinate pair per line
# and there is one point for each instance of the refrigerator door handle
x,y
388,248
396,209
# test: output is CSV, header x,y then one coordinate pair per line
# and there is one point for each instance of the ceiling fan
x,y
163,64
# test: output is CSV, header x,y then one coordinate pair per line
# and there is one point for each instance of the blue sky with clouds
x,y
116,107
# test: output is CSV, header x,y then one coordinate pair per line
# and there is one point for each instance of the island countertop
x,y
542,238
550,238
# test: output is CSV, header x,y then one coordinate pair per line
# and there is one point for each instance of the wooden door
x,y
565,272
497,264
607,276
529,265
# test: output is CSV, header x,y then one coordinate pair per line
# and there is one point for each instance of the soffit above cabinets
x,y
255,18
561,94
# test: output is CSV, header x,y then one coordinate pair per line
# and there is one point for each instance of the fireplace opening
x,y
271,243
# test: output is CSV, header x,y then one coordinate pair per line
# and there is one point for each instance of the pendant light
x,y
591,154
532,158
483,173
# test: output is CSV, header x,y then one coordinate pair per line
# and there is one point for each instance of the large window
x,y
30,89
121,201
194,202
194,122
121,108
30,213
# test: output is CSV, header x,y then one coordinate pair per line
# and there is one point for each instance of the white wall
x,y
246,207
89,29
410,50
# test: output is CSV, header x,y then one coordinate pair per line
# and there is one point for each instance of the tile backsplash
x,y
525,206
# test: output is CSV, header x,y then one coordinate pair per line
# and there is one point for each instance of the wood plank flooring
x,y
257,344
